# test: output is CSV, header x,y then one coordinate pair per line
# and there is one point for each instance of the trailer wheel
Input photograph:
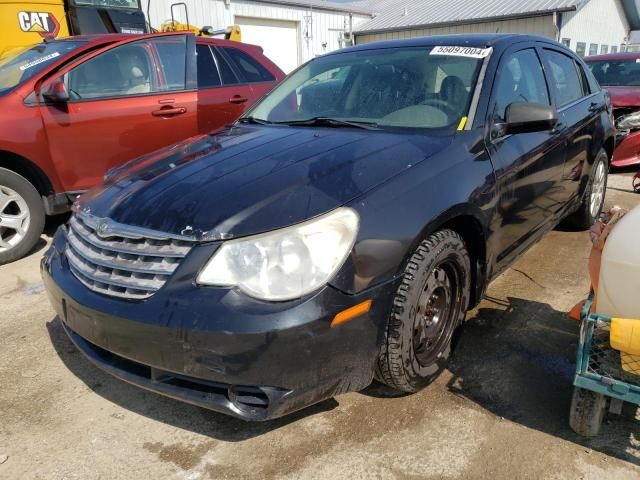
x,y
587,412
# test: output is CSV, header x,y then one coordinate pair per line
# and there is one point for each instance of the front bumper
x,y
218,349
627,151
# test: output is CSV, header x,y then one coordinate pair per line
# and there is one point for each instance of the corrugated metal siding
x,y
318,37
601,22
420,13
542,25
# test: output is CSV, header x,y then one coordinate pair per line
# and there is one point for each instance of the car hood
x,y
625,96
246,180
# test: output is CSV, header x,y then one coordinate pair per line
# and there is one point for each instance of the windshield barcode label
x,y
46,58
470,52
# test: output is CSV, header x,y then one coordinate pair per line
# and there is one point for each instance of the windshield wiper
x,y
330,122
257,121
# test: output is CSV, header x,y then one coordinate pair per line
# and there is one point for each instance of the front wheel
x,y
21,216
594,196
429,305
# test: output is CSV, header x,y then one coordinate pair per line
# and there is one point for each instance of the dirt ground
x,y
500,411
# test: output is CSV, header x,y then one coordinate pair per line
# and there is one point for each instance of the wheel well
x,y
471,231
28,170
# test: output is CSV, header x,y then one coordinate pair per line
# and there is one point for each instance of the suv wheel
x,y
594,196
21,216
429,305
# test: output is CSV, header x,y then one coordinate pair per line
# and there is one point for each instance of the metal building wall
x,y
601,22
542,25
318,30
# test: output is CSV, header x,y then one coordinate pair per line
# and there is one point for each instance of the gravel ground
x,y
500,411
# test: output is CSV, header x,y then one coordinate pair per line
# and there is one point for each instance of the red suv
x,y
72,109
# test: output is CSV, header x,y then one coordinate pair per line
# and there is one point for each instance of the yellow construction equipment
x,y
28,22
25,23
230,33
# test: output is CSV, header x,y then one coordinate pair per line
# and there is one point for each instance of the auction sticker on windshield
x,y
40,60
470,52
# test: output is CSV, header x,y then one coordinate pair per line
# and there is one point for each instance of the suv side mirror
x,y
56,92
524,117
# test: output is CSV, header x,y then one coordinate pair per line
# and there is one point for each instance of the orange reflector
x,y
351,313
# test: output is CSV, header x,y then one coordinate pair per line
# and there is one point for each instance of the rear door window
x,y
521,79
586,88
226,71
249,68
564,79
208,75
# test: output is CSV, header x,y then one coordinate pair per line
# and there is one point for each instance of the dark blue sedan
x,y
338,232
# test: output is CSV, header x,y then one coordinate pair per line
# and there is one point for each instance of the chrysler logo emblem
x,y
103,228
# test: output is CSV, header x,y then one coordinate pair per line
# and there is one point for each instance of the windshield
x,y
416,87
616,73
18,65
110,3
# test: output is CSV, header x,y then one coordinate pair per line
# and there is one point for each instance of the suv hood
x,y
625,96
251,179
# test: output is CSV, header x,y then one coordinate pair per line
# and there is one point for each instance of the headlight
x,y
287,263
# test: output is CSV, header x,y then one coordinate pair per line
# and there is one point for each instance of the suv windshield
x,y
413,87
20,64
616,73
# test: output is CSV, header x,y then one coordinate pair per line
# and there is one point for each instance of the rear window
x,y
616,73
19,65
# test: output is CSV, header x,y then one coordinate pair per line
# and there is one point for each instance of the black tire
x,y
10,251
424,317
587,412
584,217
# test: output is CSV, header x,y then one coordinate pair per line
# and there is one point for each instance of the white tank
x,y
619,285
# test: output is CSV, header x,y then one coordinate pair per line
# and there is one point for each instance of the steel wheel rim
x,y
14,218
598,189
435,313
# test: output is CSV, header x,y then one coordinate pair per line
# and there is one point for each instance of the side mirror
x,y
56,92
523,117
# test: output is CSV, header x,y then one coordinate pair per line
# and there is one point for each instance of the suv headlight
x,y
286,263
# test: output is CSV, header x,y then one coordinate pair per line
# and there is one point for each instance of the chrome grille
x,y
120,260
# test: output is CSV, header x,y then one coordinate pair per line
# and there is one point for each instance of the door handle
x,y
594,107
237,99
169,112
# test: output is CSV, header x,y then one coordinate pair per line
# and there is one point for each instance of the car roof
x,y
99,38
613,56
476,40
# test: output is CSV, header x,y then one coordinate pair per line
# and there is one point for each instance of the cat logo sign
x,y
43,23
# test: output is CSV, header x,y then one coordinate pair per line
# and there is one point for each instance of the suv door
x,y
130,99
223,95
578,113
250,70
528,166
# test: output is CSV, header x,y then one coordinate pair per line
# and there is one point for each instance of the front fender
x,y
457,183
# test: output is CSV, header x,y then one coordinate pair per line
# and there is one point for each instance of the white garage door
x,y
278,38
